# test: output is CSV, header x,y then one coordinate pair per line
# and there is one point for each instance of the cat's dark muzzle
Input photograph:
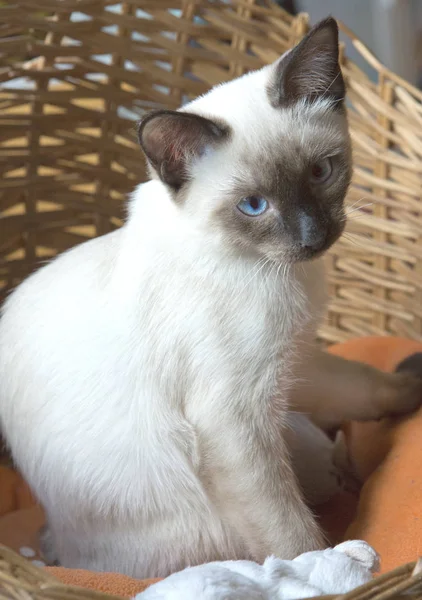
x,y
314,236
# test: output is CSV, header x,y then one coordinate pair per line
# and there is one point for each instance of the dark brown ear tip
x,y
411,364
327,24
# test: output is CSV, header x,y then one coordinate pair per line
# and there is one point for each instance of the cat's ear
x,y
173,140
310,70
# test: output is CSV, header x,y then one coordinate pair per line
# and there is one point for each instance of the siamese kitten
x,y
146,377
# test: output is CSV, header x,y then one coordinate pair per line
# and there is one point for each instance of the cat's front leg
x,y
255,491
332,390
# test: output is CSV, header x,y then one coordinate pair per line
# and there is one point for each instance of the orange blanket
x,y
388,514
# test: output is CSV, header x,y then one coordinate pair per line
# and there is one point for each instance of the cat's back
x,y
57,295
46,333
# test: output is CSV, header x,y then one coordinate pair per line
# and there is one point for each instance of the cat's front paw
x,y
402,393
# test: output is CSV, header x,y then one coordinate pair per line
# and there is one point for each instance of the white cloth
x,y
333,571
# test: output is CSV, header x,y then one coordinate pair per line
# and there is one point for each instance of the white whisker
x,y
256,272
358,208
353,241
254,266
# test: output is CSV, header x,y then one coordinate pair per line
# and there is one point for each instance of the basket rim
x,y
19,576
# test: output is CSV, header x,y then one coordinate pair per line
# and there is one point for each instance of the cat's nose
x,y
313,233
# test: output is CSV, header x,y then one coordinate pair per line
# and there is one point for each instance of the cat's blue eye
x,y
253,206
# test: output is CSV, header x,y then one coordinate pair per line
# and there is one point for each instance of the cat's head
x,y
263,161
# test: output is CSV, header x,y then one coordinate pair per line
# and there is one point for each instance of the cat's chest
x,y
236,331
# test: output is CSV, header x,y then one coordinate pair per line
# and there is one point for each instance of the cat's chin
x,y
306,254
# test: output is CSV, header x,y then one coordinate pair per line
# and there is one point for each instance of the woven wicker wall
x,y
76,74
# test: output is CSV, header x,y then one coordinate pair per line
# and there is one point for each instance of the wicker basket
x,y
20,580
77,73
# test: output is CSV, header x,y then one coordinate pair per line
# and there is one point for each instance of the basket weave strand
x,y
20,580
76,75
